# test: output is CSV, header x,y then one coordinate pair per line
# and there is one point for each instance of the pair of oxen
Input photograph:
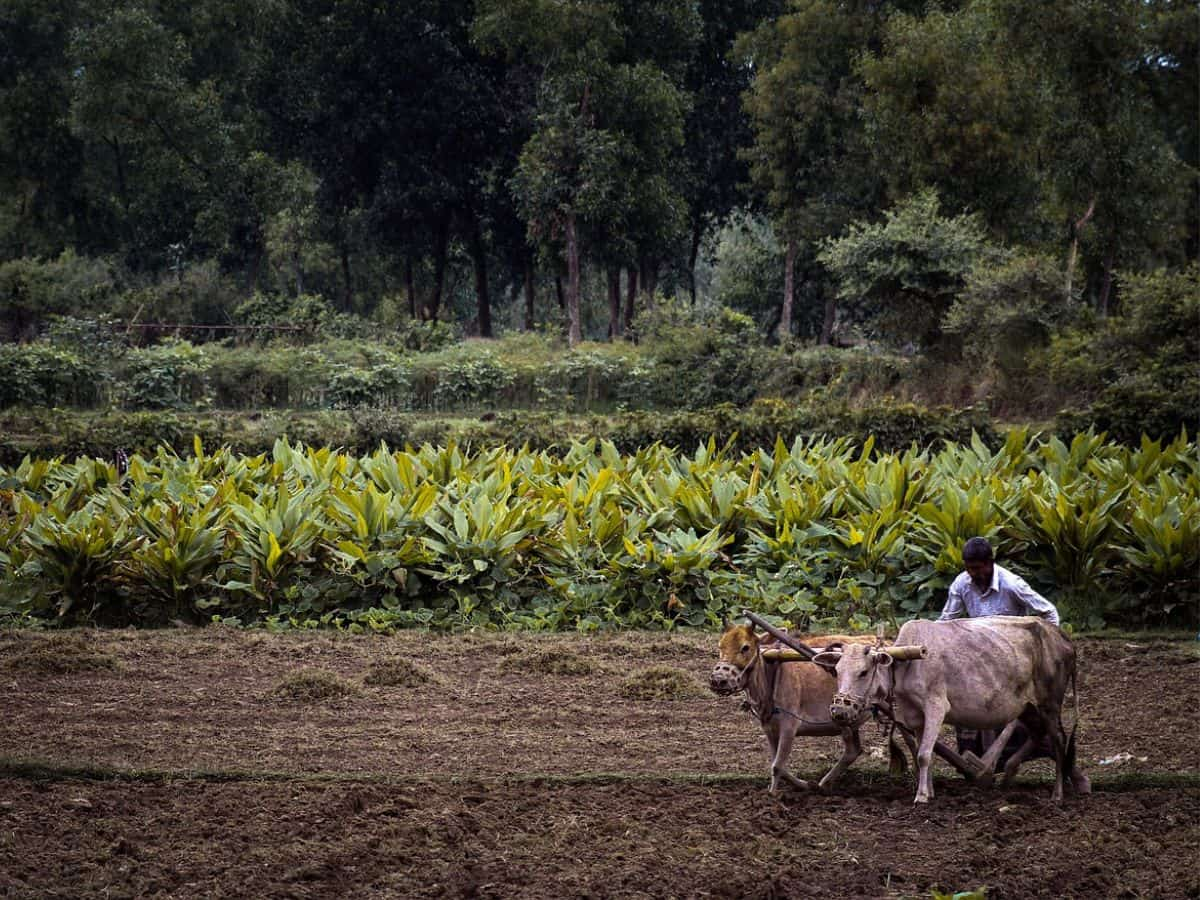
x,y
985,673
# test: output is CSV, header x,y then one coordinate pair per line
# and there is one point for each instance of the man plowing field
x,y
986,589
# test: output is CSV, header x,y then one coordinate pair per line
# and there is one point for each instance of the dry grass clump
x,y
58,654
312,685
549,661
659,683
395,671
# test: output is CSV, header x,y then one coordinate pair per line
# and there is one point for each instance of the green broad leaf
x,y
480,565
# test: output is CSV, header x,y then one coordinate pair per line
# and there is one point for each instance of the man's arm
x,y
1035,602
954,607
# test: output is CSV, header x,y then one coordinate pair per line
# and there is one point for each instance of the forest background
x,y
990,202
967,228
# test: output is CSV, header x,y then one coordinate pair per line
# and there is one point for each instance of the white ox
x,y
984,673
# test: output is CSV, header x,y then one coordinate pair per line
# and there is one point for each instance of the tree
x,y
1041,115
946,107
902,274
158,99
44,206
809,159
717,128
607,115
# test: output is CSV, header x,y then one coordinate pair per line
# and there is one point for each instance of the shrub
x,y
170,375
41,375
32,290
1140,370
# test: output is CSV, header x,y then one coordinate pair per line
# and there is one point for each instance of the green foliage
x,y
31,290
821,532
41,375
749,269
1140,369
168,375
902,274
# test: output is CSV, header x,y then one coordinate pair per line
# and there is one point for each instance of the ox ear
x,y
828,659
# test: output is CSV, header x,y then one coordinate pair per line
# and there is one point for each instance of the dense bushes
x,y
50,433
684,366
819,532
1139,370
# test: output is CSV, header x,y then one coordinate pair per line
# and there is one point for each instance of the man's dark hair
x,y
977,550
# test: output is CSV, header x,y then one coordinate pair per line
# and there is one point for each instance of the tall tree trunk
x,y
697,236
574,328
1106,285
830,318
410,286
649,279
255,270
529,296
614,302
631,289
559,293
1077,227
440,246
789,291
348,287
483,300
298,271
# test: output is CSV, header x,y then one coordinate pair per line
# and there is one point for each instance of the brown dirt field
x,y
176,767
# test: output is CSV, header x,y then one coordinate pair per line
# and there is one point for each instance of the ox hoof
x,y
1082,784
920,799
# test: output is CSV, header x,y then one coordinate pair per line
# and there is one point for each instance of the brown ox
x,y
788,699
984,673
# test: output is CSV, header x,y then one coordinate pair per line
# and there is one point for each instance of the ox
x,y
788,699
985,673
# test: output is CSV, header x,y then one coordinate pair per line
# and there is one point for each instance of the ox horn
x,y
907,651
828,658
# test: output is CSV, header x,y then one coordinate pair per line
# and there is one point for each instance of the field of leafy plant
x,y
818,533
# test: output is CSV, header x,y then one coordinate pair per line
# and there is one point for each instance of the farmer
x,y
986,589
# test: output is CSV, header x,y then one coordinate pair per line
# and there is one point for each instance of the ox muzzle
x,y
726,679
848,710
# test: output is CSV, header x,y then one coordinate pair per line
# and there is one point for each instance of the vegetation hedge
x,y
818,532
50,433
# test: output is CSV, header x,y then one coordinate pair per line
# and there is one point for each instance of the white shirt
x,y
1007,595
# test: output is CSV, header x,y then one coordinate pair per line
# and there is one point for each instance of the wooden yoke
x,y
971,769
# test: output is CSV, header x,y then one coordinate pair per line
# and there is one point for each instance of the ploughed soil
x,y
225,763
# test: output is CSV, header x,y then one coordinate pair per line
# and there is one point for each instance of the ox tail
x,y
1069,761
897,761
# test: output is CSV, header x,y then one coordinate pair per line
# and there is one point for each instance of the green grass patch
x,y
549,661
397,672
313,686
660,683
58,654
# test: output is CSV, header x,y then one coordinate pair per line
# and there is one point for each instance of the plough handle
x,y
782,636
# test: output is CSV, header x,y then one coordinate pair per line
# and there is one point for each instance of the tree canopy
x,y
515,163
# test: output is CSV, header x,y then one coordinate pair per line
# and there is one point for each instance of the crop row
x,y
817,532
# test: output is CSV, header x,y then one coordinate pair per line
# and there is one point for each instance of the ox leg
x,y
1059,743
911,743
993,753
1080,783
779,764
851,750
934,715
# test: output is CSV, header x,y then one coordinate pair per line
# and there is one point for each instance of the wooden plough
x,y
969,765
